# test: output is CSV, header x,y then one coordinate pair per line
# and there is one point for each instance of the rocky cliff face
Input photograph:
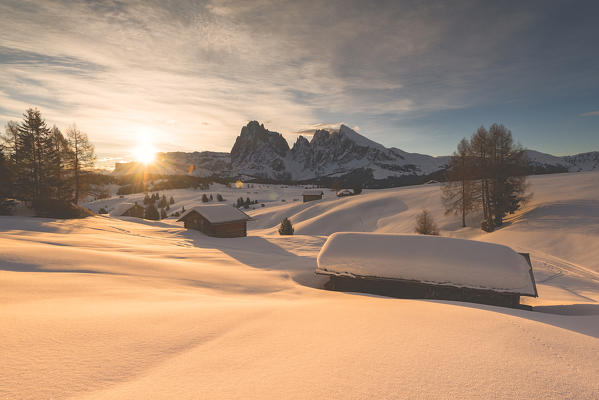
x,y
262,153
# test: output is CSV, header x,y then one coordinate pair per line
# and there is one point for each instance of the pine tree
x,y
32,148
211,198
219,197
152,212
286,227
147,199
425,224
5,176
162,213
172,200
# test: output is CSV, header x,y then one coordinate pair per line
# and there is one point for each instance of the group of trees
x,y
487,172
245,203
154,203
39,164
206,198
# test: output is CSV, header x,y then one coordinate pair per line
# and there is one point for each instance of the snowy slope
x,y
110,308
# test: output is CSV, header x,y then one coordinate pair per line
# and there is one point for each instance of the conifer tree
x,y
151,212
82,159
286,227
32,150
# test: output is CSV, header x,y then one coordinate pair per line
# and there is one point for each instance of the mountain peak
x,y
360,140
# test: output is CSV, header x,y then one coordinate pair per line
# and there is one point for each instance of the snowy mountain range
x,y
260,153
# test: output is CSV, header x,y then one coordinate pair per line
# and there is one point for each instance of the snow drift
x,y
429,259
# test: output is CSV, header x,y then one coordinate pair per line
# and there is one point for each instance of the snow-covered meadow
x,y
113,308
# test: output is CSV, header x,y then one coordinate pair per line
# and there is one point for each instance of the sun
x,y
144,154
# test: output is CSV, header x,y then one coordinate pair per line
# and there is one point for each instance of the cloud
x,y
190,73
590,114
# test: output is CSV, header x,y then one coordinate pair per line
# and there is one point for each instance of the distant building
x,y
345,192
311,195
218,220
128,210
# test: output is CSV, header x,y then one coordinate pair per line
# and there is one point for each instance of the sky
x,y
187,75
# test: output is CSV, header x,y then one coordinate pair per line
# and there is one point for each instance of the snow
x,y
218,213
430,259
111,308
120,208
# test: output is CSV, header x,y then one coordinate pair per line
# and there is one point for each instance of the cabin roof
x,y
217,213
122,208
427,259
312,192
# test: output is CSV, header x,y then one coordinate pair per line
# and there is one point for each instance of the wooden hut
x,y
218,220
427,267
345,192
311,195
128,210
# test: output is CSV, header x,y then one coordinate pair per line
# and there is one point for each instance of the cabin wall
x,y
417,290
311,197
229,229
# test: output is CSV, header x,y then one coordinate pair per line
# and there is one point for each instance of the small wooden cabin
x,y
128,210
218,220
311,195
427,267
345,192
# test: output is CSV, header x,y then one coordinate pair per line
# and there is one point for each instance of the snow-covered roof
x,y
218,213
120,209
312,192
429,259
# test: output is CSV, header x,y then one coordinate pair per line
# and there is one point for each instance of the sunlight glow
x,y
145,153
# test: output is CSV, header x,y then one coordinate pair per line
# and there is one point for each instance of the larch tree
x,y
508,175
60,156
460,189
490,172
482,167
425,225
83,157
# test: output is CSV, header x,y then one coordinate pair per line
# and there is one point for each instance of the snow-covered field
x,y
114,308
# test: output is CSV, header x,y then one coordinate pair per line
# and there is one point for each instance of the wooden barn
x,y
128,210
427,267
311,195
218,220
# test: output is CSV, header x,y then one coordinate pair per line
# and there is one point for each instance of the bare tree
x,y
490,172
425,224
460,191
83,156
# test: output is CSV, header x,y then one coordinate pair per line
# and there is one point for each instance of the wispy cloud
x,y
188,74
590,114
